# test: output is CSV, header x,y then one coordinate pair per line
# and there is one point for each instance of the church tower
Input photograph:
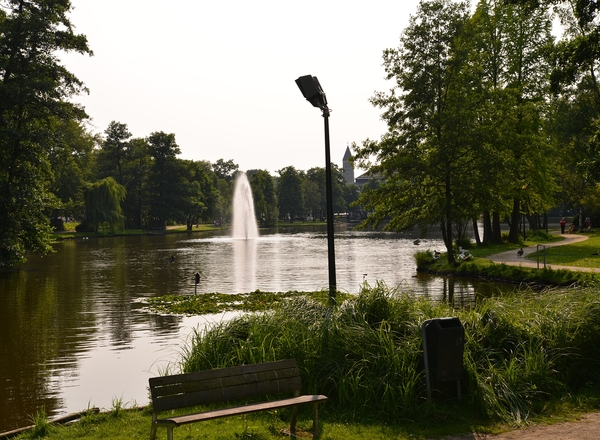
x,y
347,167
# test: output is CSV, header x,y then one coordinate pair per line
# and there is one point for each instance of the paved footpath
x,y
511,257
587,427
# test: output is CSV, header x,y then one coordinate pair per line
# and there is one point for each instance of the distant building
x,y
347,167
363,179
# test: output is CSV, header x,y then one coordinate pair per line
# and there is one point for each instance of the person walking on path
x,y
563,223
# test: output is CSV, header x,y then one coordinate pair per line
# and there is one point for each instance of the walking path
x,y
511,258
587,427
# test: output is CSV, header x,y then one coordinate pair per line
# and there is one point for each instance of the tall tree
x,y
135,171
167,188
424,156
112,156
202,195
289,193
72,161
34,88
265,198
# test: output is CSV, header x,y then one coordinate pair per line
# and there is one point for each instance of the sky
x,y
221,75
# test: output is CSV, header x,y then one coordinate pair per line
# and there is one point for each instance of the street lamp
x,y
312,91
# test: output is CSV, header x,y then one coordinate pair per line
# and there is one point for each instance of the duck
x,y
520,253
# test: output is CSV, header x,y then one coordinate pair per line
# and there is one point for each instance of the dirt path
x,y
586,428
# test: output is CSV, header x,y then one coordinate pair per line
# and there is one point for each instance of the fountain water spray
x,y
244,220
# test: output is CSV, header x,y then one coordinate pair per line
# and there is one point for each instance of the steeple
x,y
347,166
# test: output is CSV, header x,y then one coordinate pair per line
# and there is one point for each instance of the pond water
x,y
73,332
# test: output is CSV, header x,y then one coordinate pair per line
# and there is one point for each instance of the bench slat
x,y
215,395
221,372
191,384
239,410
233,383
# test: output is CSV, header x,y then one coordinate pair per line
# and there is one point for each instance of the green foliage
x,y
41,425
103,203
34,92
424,259
265,198
521,351
207,303
289,193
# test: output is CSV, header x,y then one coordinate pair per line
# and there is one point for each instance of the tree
x,y
136,169
103,204
202,196
225,169
289,193
71,160
265,198
34,88
167,187
507,45
425,156
112,156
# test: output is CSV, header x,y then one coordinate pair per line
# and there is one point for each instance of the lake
x,y
74,333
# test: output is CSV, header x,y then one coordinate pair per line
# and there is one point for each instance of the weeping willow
x,y
103,203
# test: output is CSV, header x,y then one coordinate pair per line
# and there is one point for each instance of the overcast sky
x,y
220,74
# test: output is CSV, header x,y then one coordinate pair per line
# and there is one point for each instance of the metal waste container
x,y
443,346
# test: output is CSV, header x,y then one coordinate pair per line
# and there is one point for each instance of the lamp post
x,y
312,91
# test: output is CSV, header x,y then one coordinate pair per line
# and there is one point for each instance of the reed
x,y
522,351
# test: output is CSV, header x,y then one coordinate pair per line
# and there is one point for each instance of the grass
x,y
580,254
528,356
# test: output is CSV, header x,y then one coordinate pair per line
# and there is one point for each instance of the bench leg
x,y
315,420
294,418
169,433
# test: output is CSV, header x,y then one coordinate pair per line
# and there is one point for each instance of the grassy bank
x,y
527,355
583,254
523,275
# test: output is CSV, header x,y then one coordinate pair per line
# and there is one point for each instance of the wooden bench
x,y
226,385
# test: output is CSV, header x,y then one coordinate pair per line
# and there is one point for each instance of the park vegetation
x,y
527,356
490,116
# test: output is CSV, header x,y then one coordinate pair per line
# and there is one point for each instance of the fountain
x,y
244,220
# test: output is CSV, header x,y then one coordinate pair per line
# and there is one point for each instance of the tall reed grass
x,y
521,351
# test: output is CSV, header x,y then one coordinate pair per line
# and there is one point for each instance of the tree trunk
x,y
476,231
513,235
487,228
496,228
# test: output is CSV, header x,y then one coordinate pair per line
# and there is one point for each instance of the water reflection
x,y
73,332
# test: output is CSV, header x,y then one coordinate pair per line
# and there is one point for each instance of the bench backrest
x,y
225,384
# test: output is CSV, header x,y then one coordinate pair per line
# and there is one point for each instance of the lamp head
x,y
312,91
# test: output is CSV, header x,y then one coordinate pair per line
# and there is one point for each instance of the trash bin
x,y
443,345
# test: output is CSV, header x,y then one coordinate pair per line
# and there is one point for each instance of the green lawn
x,y
579,254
